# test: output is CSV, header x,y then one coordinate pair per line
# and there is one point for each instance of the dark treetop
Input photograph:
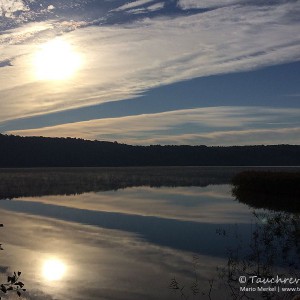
x,y
18,151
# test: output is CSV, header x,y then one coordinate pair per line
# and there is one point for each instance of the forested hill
x,y
18,151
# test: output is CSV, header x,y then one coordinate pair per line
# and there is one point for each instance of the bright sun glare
x,y
53,269
56,60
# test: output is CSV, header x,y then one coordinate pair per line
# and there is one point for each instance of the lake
x,y
138,233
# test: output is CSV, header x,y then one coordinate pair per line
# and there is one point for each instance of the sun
x,y
53,269
56,60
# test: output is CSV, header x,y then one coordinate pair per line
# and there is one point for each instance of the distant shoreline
x,y
41,152
12,169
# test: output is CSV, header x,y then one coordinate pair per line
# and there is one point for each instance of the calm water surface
x,y
123,244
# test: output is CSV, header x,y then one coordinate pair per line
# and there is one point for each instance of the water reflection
x,y
54,269
277,191
167,231
15,183
102,263
212,204
266,267
126,243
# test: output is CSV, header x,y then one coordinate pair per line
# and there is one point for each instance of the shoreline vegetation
x,y
15,183
278,191
34,152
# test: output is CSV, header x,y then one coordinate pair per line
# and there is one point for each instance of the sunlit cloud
x,y
125,60
211,126
9,7
23,35
56,60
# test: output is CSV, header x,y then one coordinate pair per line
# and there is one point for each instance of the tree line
x,y
16,151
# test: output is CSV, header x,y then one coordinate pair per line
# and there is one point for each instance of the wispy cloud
x,y
234,137
156,6
133,4
293,95
193,4
151,8
122,61
212,126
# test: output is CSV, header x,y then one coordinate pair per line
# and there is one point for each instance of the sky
x,y
213,72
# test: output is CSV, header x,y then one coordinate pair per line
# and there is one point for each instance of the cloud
x,y
51,7
133,4
293,95
24,35
235,137
5,63
123,61
151,8
196,4
9,7
156,6
211,126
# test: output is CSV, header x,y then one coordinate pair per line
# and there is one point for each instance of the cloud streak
x,y
133,4
211,126
196,4
123,61
151,8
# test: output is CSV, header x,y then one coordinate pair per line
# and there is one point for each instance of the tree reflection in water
x,y
278,191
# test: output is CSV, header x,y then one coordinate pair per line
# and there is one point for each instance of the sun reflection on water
x,y
53,269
